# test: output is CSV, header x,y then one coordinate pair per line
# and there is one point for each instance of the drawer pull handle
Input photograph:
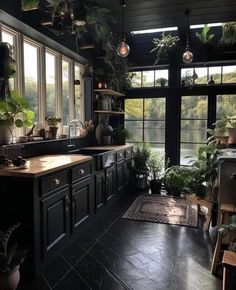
x,y
81,171
56,181
67,202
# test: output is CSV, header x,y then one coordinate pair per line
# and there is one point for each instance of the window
x,y
9,37
161,77
50,84
149,78
145,119
65,93
193,131
78,92
31,86
225,106
229,74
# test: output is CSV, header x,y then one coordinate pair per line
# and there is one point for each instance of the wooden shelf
x,y
109,92
110,112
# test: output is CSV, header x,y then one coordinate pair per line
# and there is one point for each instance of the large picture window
x,y
78,92
65,93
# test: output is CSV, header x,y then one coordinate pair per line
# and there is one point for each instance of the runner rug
x,y
163,209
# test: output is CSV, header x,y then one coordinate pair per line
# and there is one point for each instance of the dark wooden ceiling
x,y
147,14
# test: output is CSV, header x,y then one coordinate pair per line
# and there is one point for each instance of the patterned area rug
x,y
163,209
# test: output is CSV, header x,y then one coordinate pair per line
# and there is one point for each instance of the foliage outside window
x,y
77,92
149,78
225,106
193,126
65,93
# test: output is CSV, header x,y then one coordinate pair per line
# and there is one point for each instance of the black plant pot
x,y
155,186
173,190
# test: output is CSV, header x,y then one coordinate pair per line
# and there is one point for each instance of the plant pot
x,y
155,186
232,135
221,141
106,140
54,132
5,134
10,280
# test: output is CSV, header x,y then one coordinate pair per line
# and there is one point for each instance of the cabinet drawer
x,y
81,171
53,182
120,155
128,153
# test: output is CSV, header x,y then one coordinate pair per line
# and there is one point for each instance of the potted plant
x,y
52,122
13,111
218,133
231,129
120,135
228,38
156,164
10,260
163,44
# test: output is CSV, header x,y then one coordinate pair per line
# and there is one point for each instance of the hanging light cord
x,y
187,15
123,18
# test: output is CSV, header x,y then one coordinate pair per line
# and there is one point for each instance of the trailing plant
x,y
10,256
15,110
205,35
162,45
228,37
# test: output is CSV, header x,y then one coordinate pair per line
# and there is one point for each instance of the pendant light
x,y
123,48
187,55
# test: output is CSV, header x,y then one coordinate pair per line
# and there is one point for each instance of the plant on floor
x,y
10,260
156,165
163,45
205,35
141,155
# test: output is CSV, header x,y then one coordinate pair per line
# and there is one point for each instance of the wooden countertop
x,y
41,165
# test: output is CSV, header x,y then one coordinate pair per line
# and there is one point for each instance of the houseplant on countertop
x,y
120,135
13,111
10,260
156,165
52,122
218,133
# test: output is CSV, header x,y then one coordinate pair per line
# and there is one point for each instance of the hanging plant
x,y
162,45
29,4
205,35
228,38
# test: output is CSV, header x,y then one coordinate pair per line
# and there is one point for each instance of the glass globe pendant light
x,y
123,48
187,55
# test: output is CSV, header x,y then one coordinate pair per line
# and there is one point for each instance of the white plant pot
x,y
5,135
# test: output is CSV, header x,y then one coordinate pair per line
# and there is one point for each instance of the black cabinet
x,y
100,187
55,221
110,183
82,202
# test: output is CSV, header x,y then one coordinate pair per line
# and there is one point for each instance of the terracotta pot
x,y
10,280
232,135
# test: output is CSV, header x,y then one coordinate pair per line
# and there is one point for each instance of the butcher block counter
x,y
41,165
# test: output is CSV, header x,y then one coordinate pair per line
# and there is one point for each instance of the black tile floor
x,y
115,253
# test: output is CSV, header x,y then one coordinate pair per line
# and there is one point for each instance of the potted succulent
x,y
52,122
10,260
156,164
13,111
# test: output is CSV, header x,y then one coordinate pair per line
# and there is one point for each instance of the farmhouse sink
x,y
103,158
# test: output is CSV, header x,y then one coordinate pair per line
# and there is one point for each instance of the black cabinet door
x,y
128,172
110,183
82,202
99,190
120,176
55,221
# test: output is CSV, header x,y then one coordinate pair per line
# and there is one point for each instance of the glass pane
x,y
31,77
229,74
194,107
161,78
187,76
136,129
65,93
215,72
77,93
200,75
50,84
134,109
158,148
148,78
188,153
194,131
154,131
136,79
10,38
155,108
225,106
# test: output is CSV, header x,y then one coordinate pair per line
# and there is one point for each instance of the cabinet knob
x,y
81,171
56,181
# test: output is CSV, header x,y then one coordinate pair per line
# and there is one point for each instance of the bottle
x,y
211,81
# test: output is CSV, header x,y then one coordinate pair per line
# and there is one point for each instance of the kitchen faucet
x,y
72,122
